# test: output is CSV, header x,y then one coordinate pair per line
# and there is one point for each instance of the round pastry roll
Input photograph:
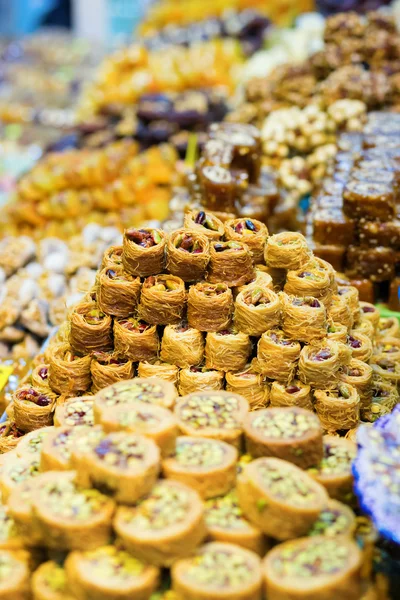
x,y
371,313
388,347
182,345
70,517
15,471
56,449
162,300
338,408
386,369
33,408
337,332
31,444
19,509
49,582
75,411
334,471
261,278
360,345
109,572
251,232
40,377
388,327
14,576
257,309
165,526
226,523
107,368
10,538
188,253
151,390
291,433
87,439
364,326
319,364
230,263
158,368
68,373
287,250
304,318
90,329
143,251
124,464
205,464
295,393
112,257
310,282
205,223
279,498
351,297
10,437
316,568
227,350
250,385
277,356
340,312
117,292
217,571
152,421
358,374
196,379
217,415
210,306
135,339
335,519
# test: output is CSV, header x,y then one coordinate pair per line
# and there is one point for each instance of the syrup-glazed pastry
x,y
143,251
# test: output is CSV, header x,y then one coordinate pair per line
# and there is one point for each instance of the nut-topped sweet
x,y
335,519
74,412
49,582
14,576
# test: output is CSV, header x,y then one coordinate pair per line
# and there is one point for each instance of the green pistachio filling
x,y
285,485
34,446
285,424
219,569
126,453
109,562
55,578
337,461
63,498
146,392
200,453
225,512
8,529
165,506
79,413
330,522
23,471
138,418
210,412
325,557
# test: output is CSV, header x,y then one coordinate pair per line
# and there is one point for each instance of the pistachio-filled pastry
x,y
110,573
200,378
314,568
143,251
10,538
338,408
68,373
250,231
210,306
359,375
14,576
257,309
56,449
167,525
360,345
15,471
158,368
135,339
226,523
231,263
295,393
188,253
163,300
217,415
249,384
371,313
33,408
227,350
10,436
205,464
277,356
91,329
292,433
310,281
107,368
151,390
117,292
279,498
388,327
319,363
74,412
40,377
218,571
19,509
49,582
334,471
340,312
335,519
31,444
287,250
304,318
351,297
337,332
182,345
155,422
205,223
70,517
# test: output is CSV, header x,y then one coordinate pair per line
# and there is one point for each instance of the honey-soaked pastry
x,y
218,570
364,326
68,373
15,471
261,277
218,188
162,300
166,525
310,281
107,368
217,415
335,519
360,345
230,263
70,517
32,408
188,253
287,250
388,347
226,523
57,447
40,377
340,312
369,200
388,327
117,292
110,572
197,379
10,437
350,294
386,369
150,420
151,391
279,498
227,350
359,375
14,576
205,464
182,345
245,144
296,393
19,509
123,463
74,412
31,444
337,332
91,329
249,384
257,309
277,356
49,582
205,223
384,398
370,312
319,364
316,568
210,306
112,258
250,231
334,470
292,433
135,339
158,368
338,408
304,318
84,442
144,251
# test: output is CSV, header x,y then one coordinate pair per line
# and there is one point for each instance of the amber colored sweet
x,y
331,226
377,264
